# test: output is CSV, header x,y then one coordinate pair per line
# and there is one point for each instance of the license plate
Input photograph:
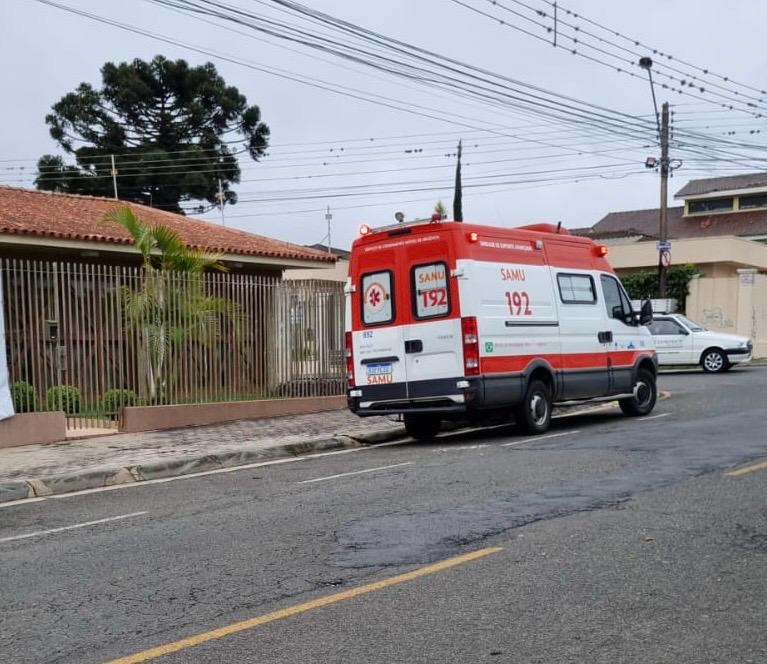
x,y
379,373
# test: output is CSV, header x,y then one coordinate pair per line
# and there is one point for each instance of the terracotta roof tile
x,y
73,217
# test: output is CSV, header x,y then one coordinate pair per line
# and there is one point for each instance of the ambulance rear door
x,y
432,340
378,335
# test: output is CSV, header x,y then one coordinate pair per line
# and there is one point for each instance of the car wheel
x,y
422,427
645,394
534,413
714,361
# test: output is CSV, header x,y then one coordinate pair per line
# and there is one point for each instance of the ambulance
x,y
455,321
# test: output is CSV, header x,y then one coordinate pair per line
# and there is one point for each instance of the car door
x,y
621,338
585,372
672,342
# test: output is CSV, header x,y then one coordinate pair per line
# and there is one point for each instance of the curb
x,y
13,490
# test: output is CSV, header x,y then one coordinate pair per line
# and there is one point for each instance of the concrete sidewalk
x,y
41,470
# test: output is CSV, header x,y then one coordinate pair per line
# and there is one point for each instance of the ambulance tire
x,y
422,427
533,415
645,394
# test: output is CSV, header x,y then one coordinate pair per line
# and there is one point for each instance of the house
x,y
721,228
74,343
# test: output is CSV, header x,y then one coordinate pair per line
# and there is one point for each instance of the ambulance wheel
x,y
422,427
645,393
534,413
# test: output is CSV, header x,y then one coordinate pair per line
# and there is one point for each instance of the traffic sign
x,y
665,258
664,246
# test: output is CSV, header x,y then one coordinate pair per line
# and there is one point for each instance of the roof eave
x,y
126,247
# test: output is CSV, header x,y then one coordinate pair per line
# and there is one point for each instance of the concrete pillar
x,y
745,321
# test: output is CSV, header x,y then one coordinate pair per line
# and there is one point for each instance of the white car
x,y
680,341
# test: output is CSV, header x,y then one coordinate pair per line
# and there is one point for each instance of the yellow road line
x,y
747,470
221,632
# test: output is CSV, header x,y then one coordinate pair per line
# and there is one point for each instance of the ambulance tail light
x,y
470,337
349,354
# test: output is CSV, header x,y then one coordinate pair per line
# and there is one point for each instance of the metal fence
x,y
89,339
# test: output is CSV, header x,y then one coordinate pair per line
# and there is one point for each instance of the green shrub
x,y
113,400
24,397
644,285
64,397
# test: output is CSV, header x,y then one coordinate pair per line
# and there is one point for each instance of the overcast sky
x,y
46,53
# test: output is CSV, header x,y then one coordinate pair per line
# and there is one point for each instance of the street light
x,y
661,122
646,64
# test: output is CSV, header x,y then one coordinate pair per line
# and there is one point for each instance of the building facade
x,y
721,228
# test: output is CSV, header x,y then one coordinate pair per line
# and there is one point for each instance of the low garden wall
x,y
33,428
150,418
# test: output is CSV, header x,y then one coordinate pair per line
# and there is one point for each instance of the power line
x,y
446,72
704,70
684,79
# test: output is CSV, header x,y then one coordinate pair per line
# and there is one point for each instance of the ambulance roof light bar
x,y
402,224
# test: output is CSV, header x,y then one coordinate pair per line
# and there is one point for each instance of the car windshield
x,y
692,325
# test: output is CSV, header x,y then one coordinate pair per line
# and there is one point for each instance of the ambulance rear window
x,y
431,297
377,298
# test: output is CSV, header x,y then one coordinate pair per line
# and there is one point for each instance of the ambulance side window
x,y
616,302
576,288
377,298
431,296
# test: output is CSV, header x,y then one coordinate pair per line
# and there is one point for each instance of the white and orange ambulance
x,y
457,321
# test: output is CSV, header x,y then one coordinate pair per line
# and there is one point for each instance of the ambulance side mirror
x,y
645,313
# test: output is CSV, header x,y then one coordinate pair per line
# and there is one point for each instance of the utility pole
x,y
328,218
458,191
221,201
665,168
114,175
663,217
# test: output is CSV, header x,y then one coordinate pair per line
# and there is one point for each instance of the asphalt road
x,y
607,540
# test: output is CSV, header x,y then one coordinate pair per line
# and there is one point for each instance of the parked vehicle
x,y
680,341
448,320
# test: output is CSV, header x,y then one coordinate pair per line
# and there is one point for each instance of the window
x,y
431,296
694,327
377,298
576,289
616,301
709,205
753,201
665,326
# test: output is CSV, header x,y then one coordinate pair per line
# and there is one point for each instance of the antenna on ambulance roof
x,y
559,226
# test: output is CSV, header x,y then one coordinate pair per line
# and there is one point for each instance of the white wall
x,y
337,272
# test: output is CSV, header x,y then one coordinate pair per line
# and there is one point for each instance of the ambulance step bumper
x,y
443,395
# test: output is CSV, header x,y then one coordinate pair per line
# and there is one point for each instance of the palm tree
x,y
170,306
